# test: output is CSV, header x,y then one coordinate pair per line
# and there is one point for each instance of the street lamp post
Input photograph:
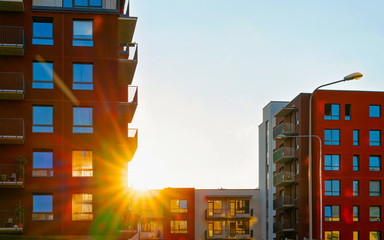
x,y
353,76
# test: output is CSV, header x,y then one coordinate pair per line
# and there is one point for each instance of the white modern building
x,y
266,168
227,214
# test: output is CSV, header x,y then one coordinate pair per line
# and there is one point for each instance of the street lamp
x,y
352,76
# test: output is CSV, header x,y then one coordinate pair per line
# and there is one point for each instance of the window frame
x,y
356,137
377,232
44,124
36,39
42,171
355,213
77,83
348,112
332,137
38,215
372,111
176,206
373,218
374,142
334,111
44,70
82,41
333,212
84,215
177,228
372,167
373,193
355,188
356,163
84,172
331,192
82,128
334,162
335,235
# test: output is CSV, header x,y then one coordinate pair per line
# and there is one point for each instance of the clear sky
x,y
208,67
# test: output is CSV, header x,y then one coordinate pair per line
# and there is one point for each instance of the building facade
x,y
66,68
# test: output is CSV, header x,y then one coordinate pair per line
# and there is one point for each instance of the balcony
x,y
228,213
126,28
127,62
128,103
11,131
283,226
129,147
11,176
283,179
228,234
12,5
283,203
283,155
11,41
8,223
12,86
284,128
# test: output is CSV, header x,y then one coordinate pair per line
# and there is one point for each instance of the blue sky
x,y
208,67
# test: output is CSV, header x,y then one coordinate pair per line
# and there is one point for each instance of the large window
x,y
355,188
42,163
239,206
374,137
374,188
87,3
355,137
82,76
332,187
356,163
374,163
332,235
331,111
347,111
374,111
42,119
332,162
374,213
332,136
356,214
83,33
179,226
178,206
215,207
82,164
332,213
215,228
147,225
82,207
42,31
42,75
42,207
374,235
82,120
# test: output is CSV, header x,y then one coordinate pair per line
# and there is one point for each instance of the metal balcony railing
x,y
284,178
11,176
11,40
228,213
12,86
11,131
284,202
283,155
284,128
228,234
8,222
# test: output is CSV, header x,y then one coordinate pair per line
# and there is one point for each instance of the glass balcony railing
x,y
283,226
128,96
284,128
284,202
283,155
127,63
282,179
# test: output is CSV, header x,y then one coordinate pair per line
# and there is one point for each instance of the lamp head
x,y
281,136
353,76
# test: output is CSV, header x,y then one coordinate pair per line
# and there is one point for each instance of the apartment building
x,y
350,126
66,69
228,214
267,168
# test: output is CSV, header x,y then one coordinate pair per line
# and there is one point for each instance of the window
x,y
332,235
374,235
42,207
355,213
374,188
374,163
147,225
297,117
374,137
296,191
215,228
82,207
332,136
42,75
215,207
296,215
347,111
82,164
179,226
82,120
83,33
42,31
42,164
374,111
332,162
178,206
332,188
332,213
42,119
82,76
355,162
297,168
355,137
331,111
88,3
355,188
240,206
374,214
242,227
355,235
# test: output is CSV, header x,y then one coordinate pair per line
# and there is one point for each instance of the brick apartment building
x,y
66,68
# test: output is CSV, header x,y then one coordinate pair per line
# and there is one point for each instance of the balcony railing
x,y
85,5
228,213
283,155
12,5
284,202
284,128
283,226
11,40
11,131
126,28
127,62
8,223
129,147
283,179
11,176
12,86
228,234
128,96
